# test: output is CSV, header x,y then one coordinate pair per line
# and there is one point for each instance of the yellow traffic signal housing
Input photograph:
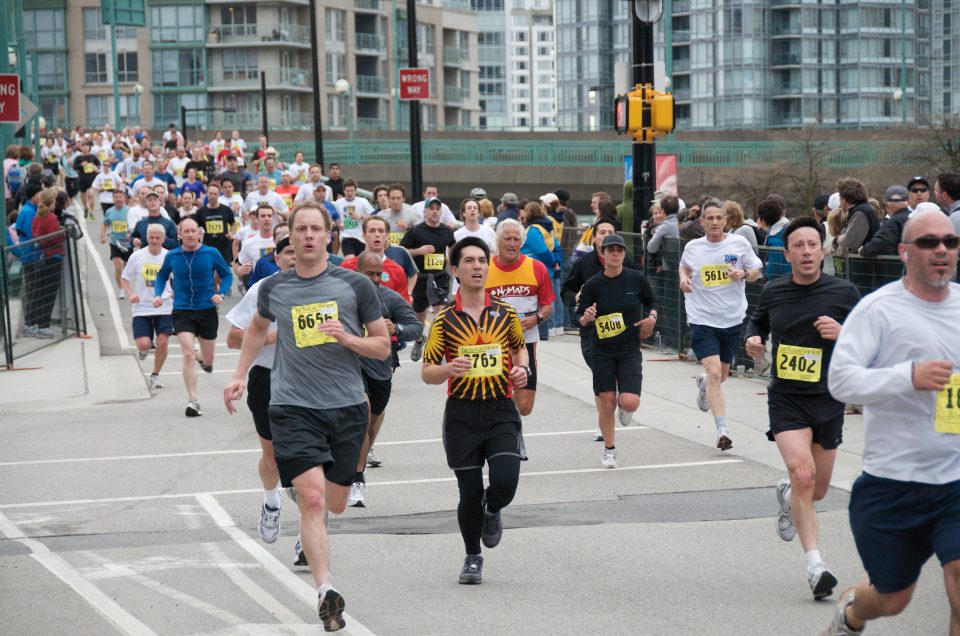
x,y
644,113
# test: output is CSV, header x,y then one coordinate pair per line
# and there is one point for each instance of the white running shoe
x,y
142,355
839,627
598,435
822,581
702,402
609,458
193,408
624,417
357,495
120,294
724,440
372,460
269,525
155,382
785,528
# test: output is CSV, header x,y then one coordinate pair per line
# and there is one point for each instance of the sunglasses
x,y
933,242
918,190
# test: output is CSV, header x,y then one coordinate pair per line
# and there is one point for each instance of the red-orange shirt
x,y
393,276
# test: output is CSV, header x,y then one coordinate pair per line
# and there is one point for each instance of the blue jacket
x,y
140,231
193,292
535,246
28,253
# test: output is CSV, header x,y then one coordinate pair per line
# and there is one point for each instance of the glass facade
x,y
46,41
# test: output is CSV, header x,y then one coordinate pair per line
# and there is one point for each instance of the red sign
x,y
414,83
9,99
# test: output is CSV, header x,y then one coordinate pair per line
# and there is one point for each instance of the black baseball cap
x,y
918,180
613,239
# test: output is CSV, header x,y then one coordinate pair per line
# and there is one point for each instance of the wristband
x,y
527,369
539,318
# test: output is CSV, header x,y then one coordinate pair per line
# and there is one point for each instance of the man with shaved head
x,y
898,356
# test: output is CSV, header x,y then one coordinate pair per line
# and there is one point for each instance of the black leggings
x,y
504,474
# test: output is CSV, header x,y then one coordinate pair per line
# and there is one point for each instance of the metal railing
x,y
41,295
370,42
455,94
276,32
368,5
454,55
371,84
283,76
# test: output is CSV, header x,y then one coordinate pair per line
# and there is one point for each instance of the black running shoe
x,y
492,527
330,608
472,572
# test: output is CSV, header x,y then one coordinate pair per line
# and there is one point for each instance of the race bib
x,y
288,201
178,172
108,185
349,223
799,363
395,238
715,275
946,418
306,319
487,360
273,184
119,227
88,168
149,273
610,325
102,156
214,226
433,262
200,175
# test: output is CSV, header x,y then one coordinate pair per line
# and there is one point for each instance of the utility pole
x,y
644,152
315,69
416,161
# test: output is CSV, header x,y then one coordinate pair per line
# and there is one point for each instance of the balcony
x,y
786,27
458,5
454,56
455,94
682,65
785,58
788,118
370,42
367,5
681,37
278,78
681,94
368,84
275,33
291,119
786,89
372,123
681,6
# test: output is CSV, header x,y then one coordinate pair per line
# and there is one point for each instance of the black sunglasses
x,y
933,242
918,190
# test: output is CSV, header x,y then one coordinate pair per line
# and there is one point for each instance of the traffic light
x,y
644,113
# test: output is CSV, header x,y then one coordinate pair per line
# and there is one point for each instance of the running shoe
x,y
30,331
702,402
822,581
609,458
785,528
207,368
417,351
45,333
372,460
193,408
724,441
301,555
624,417
155,382
838,626
357,495
598,435
472,572
269,526
330,607
142,355
492,527
120,294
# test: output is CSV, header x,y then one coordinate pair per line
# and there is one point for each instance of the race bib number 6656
x,y
306,319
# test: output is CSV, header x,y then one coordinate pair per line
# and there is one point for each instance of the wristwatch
x,y
527,369
539,318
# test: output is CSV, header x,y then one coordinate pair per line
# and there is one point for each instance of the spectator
x,y
862,221
569,216
736,224
887,239
509,207
947,191
919,192
46,227
667,228
771,217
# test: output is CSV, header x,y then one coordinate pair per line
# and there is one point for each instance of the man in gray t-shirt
x,y
318,416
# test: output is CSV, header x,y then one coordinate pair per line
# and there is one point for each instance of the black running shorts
x,y
474,431
201,322
617,369
823,414
258,399
378,392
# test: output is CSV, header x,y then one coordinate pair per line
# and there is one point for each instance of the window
x,y
489,38
176,23
333,21
52,67
336,67
240,64
239,14
54,109
519,36
93,25
179,68
166,108
126,33
491,72
98,110
128,68
95,68
486,5
43,29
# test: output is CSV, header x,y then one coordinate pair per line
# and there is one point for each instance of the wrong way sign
x,y
9,98
414,83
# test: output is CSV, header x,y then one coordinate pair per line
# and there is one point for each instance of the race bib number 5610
x,y
715,275
306,319
947,416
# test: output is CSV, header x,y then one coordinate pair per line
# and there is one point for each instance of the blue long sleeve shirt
x,y
193,277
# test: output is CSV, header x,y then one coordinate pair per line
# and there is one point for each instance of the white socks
x,y
271,498
813,559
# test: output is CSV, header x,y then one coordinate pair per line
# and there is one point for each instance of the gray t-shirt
x,y
312,370
408,328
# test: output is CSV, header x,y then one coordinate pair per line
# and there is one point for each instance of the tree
x,y
938,143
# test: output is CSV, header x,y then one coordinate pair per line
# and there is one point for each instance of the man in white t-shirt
x,y
298,170
105,184
473,227
398,214
148,180
353,210
230,198
149,322
712,274
446,216
253,248
177,166
305,193
101,149
172,137
263,194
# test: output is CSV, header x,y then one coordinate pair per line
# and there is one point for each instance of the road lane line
x,y
281,572
111,296
406,482
103,604
437,440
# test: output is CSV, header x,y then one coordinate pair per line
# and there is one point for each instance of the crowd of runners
x,y
334,285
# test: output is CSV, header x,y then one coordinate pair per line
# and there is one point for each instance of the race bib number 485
x,y
149,273
486,358
715,275
306,319
799,363
947,416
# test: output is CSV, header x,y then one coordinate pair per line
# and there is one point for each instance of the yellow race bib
x,y
88,168
946,418
273,184
799,363
306,319
433,262
610,325
149,272
108,185
119,227
214,226
178,172
487,360
288,201
395,238
715,275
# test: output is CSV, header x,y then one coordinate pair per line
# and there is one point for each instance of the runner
x,y
613,301
802,314
427,243
150,324
194,302
375,239
115,225
318,416
897,355
258,396
403,326
481,341
524,284
353,210
713,269
257,246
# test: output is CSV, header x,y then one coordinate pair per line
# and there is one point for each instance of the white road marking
x,y
146,373
281,572
407,482
90,593
111,295
436,440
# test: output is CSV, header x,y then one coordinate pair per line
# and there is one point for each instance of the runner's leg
x,y
160,354
795,448
470,508
606,406
207,350
951,576
189,363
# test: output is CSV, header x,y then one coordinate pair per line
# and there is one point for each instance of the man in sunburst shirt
x,y
476,346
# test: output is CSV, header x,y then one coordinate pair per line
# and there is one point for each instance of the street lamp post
x,y
343,87
646,13
903,60
215,109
